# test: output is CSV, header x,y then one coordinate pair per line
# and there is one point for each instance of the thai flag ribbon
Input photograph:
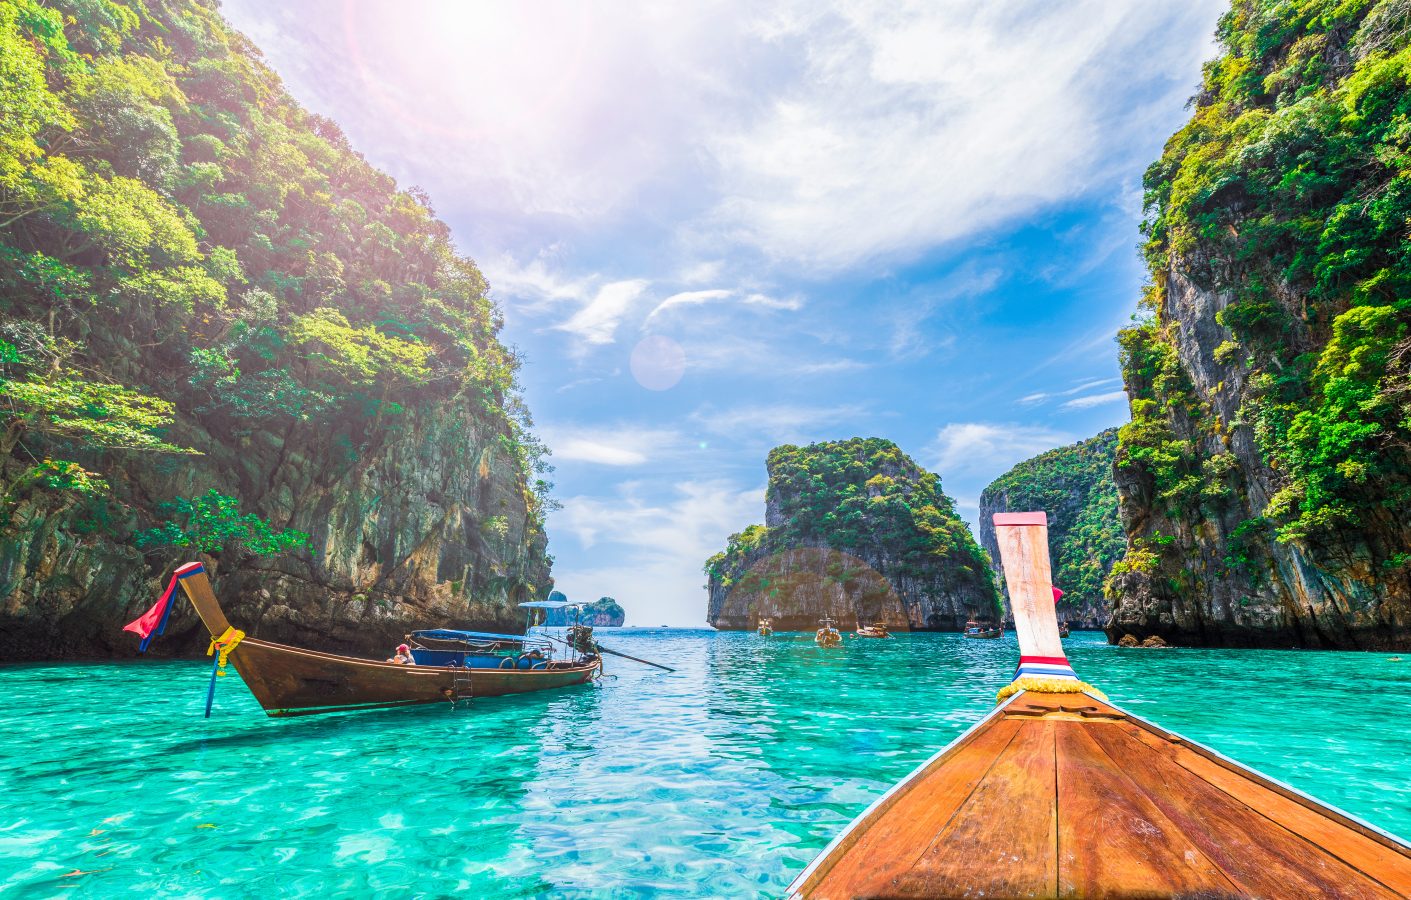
x,y
1044,667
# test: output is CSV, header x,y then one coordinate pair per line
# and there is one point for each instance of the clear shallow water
x,y
723,779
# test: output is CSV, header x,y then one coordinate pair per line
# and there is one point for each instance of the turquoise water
x,y
721,780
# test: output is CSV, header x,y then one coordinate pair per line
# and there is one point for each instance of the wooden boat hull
x,y
1082,799
291,681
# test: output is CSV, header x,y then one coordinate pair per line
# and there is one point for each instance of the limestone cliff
x,y
1265,479
855,530
1074,486
224,334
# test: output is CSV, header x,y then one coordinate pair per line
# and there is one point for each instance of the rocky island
x,y
604,612
224,335
1265,477
1074,485
853,529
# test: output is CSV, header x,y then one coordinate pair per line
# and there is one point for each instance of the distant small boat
x,y
827,635
1059,793
875,630
451,665
977,630
1063,629
766,627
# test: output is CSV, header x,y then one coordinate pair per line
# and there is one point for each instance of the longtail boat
x,y
827,635
1060,793
875,630
978,630
766,627
452,665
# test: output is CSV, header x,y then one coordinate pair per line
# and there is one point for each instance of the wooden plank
x,y
1112,840
1262,858
1386,864
890,844
1023,549
1003,842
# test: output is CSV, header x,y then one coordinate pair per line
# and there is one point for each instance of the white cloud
x,y
701,272
965,449
792,303
596,322
819,135
912,124
909,341
1088,385
779,423
687,298
623,444
1096,400
535,283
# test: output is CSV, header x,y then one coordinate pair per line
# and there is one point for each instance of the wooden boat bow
x,y
1059,793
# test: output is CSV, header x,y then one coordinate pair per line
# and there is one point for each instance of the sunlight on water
x,y
723,779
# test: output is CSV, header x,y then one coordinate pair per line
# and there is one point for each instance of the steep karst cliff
x,y
1265,479
1074,486
855,530
224,335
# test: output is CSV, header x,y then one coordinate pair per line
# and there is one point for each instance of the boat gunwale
x,y
831,854
845,838
410,670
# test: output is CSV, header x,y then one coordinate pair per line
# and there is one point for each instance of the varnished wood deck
x,y
1062,795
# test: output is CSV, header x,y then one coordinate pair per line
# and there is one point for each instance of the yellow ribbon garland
x,y
225,643
1040,685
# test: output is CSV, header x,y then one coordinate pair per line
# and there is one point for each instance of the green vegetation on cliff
x,y
1265,477
1074,486
864,498
188,255
1289,190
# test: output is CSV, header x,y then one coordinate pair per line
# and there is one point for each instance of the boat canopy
x,y
545,604
447,634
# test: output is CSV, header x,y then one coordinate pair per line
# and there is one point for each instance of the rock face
x,y
1074,486
187,232
604,612
1265,479
399,541
857,531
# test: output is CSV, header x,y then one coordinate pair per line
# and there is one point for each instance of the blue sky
x,y
722,226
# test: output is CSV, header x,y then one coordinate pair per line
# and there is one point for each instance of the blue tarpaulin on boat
x,y
446,634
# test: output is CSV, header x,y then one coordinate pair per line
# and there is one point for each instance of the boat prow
x,y
1059,793
292,681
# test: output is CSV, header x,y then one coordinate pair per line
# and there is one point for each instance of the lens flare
x,y
658,362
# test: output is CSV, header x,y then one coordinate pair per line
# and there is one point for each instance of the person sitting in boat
x,y
403,657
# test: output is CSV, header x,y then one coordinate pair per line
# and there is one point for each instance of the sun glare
x,y
469,70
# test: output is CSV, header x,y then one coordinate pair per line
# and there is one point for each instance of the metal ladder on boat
x,y
462,688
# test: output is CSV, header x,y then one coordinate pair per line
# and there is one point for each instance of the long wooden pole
x,y
1023,549
601,649
645,662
